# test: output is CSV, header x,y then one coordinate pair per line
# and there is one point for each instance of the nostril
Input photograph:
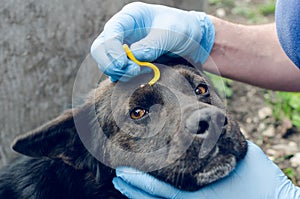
x,y
225,122
203,126
206,121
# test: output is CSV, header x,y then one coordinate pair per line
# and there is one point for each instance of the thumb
x,y
152,46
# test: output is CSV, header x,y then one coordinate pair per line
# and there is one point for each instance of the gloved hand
x,y
151,31
254,177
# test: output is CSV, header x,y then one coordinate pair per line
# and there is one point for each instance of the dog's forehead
x,y
190,74
180,78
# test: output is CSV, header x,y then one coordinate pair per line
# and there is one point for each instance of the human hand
x,y
151,31
254,177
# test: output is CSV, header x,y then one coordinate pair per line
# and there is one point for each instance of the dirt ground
x,y
248,103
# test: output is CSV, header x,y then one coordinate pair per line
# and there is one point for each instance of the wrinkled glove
x,y
255,177
151,31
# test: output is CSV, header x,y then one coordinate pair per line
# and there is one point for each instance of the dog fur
x,y
58,164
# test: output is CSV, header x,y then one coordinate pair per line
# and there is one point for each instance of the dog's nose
x,y
206,120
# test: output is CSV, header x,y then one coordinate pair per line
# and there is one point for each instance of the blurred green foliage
x,y
268,8
291,174
253,12
285,105
222,85
222,3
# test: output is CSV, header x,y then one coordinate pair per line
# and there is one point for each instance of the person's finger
x,y
129,190
131,70
146,182
129,21
152,46
129,25
117,68
164,40
107,48
102,55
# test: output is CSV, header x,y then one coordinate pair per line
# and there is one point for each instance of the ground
x,y
249,105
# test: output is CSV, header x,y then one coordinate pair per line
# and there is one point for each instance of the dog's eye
x,y
137,113
201,89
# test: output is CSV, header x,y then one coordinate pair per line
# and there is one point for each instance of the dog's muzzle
x,y
207,124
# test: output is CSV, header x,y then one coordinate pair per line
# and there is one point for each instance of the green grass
x,y
254,13
222,3
285,105
268,8
291,174
222,85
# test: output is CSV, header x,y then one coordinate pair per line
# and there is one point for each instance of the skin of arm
x,y
252,54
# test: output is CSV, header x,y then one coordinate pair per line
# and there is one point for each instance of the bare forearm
x,y
252,54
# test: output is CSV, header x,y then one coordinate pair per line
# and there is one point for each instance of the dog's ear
x,y
57,138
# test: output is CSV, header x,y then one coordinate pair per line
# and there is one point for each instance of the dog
x,y
177,130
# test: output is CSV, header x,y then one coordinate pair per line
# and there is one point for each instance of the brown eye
x,y
137,113
201,89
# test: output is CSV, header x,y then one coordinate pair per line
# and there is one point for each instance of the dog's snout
x,y
206,119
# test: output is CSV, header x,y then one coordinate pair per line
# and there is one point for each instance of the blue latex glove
x,y
255,177
151,31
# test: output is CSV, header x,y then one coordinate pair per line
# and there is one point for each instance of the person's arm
x,y
252,54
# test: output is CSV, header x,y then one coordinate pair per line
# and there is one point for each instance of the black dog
x,y
176,130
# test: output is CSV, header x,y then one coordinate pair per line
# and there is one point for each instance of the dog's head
x,y
177,130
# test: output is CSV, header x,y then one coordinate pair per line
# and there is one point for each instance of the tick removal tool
x,y
144,64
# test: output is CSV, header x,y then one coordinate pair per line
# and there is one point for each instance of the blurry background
x,y
43,43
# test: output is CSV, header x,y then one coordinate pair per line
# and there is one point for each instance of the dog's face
x,y
177,130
